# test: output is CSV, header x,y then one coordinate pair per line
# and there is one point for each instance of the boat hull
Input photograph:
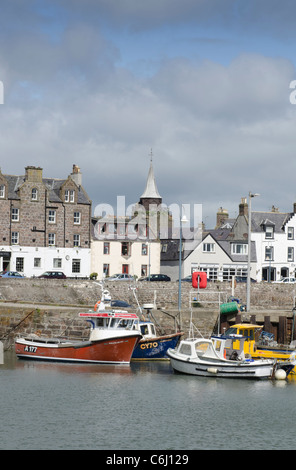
x,y
155,349
117,350
220,369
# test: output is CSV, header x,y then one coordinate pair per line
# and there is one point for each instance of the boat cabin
x,y
229,347
111,319
194,348
146,328
110,323
216,348
248,332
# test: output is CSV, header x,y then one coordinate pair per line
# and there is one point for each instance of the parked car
x,y
11,274
120,303
156,277
53,275
186,279
120,277
243,279
291,280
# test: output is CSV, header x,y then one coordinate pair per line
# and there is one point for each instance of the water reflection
x,y
134,368
144,405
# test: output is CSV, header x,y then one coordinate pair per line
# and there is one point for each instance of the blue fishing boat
x,y
152,346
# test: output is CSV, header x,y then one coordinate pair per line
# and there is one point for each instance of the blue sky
x,y
204,83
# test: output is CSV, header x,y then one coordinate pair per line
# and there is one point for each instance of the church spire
x,y
151,194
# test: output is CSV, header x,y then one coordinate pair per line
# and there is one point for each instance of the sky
x,y
203,84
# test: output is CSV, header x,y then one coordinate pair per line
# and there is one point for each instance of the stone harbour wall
x,y
165,294
51,307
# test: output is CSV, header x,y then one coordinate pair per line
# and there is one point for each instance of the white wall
x,y
280,244
47,256
115,259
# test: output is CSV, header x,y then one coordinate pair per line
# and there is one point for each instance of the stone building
x,y
44,223
130,244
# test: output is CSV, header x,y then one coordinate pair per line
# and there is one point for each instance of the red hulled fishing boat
x,y
113,337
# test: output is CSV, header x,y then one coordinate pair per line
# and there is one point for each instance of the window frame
x,y
15,214
269,232
51,239
235,251
76,266
77,218
34,194
209,247
76,240
2,191
52,216
15,238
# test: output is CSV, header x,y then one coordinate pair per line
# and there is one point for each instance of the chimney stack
x,y
76,175
222,215
243,207
33,174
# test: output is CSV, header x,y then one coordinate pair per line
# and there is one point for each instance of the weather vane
x,y
151,155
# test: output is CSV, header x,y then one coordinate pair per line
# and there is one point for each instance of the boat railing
x,y
193,330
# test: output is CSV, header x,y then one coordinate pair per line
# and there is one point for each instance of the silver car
x,y
120,277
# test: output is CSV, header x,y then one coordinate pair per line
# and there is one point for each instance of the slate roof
x,y
219,235
275,219
224,235
53,185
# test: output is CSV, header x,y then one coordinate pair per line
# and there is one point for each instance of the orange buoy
x,y
199,279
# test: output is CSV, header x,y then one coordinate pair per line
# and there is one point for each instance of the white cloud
x,y
217,131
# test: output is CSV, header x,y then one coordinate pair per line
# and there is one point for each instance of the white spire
x,y
151,190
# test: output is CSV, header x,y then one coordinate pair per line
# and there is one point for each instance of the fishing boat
x,y
113,337
259,344
152,346
216,357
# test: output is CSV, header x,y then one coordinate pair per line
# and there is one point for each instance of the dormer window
x,y
239,249
2,191
69,195
269,232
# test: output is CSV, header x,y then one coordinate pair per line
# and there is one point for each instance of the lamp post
x,y
182,221
249,251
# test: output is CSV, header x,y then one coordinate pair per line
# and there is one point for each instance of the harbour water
x,y
139,406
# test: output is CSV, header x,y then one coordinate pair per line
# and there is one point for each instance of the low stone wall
x,y
165,294
51,307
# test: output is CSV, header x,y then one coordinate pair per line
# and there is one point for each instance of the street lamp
x,y
249,250
182,221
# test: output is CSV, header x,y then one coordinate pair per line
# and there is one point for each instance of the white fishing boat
x,y
215,357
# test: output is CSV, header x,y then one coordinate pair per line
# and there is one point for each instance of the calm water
x,y
141,406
